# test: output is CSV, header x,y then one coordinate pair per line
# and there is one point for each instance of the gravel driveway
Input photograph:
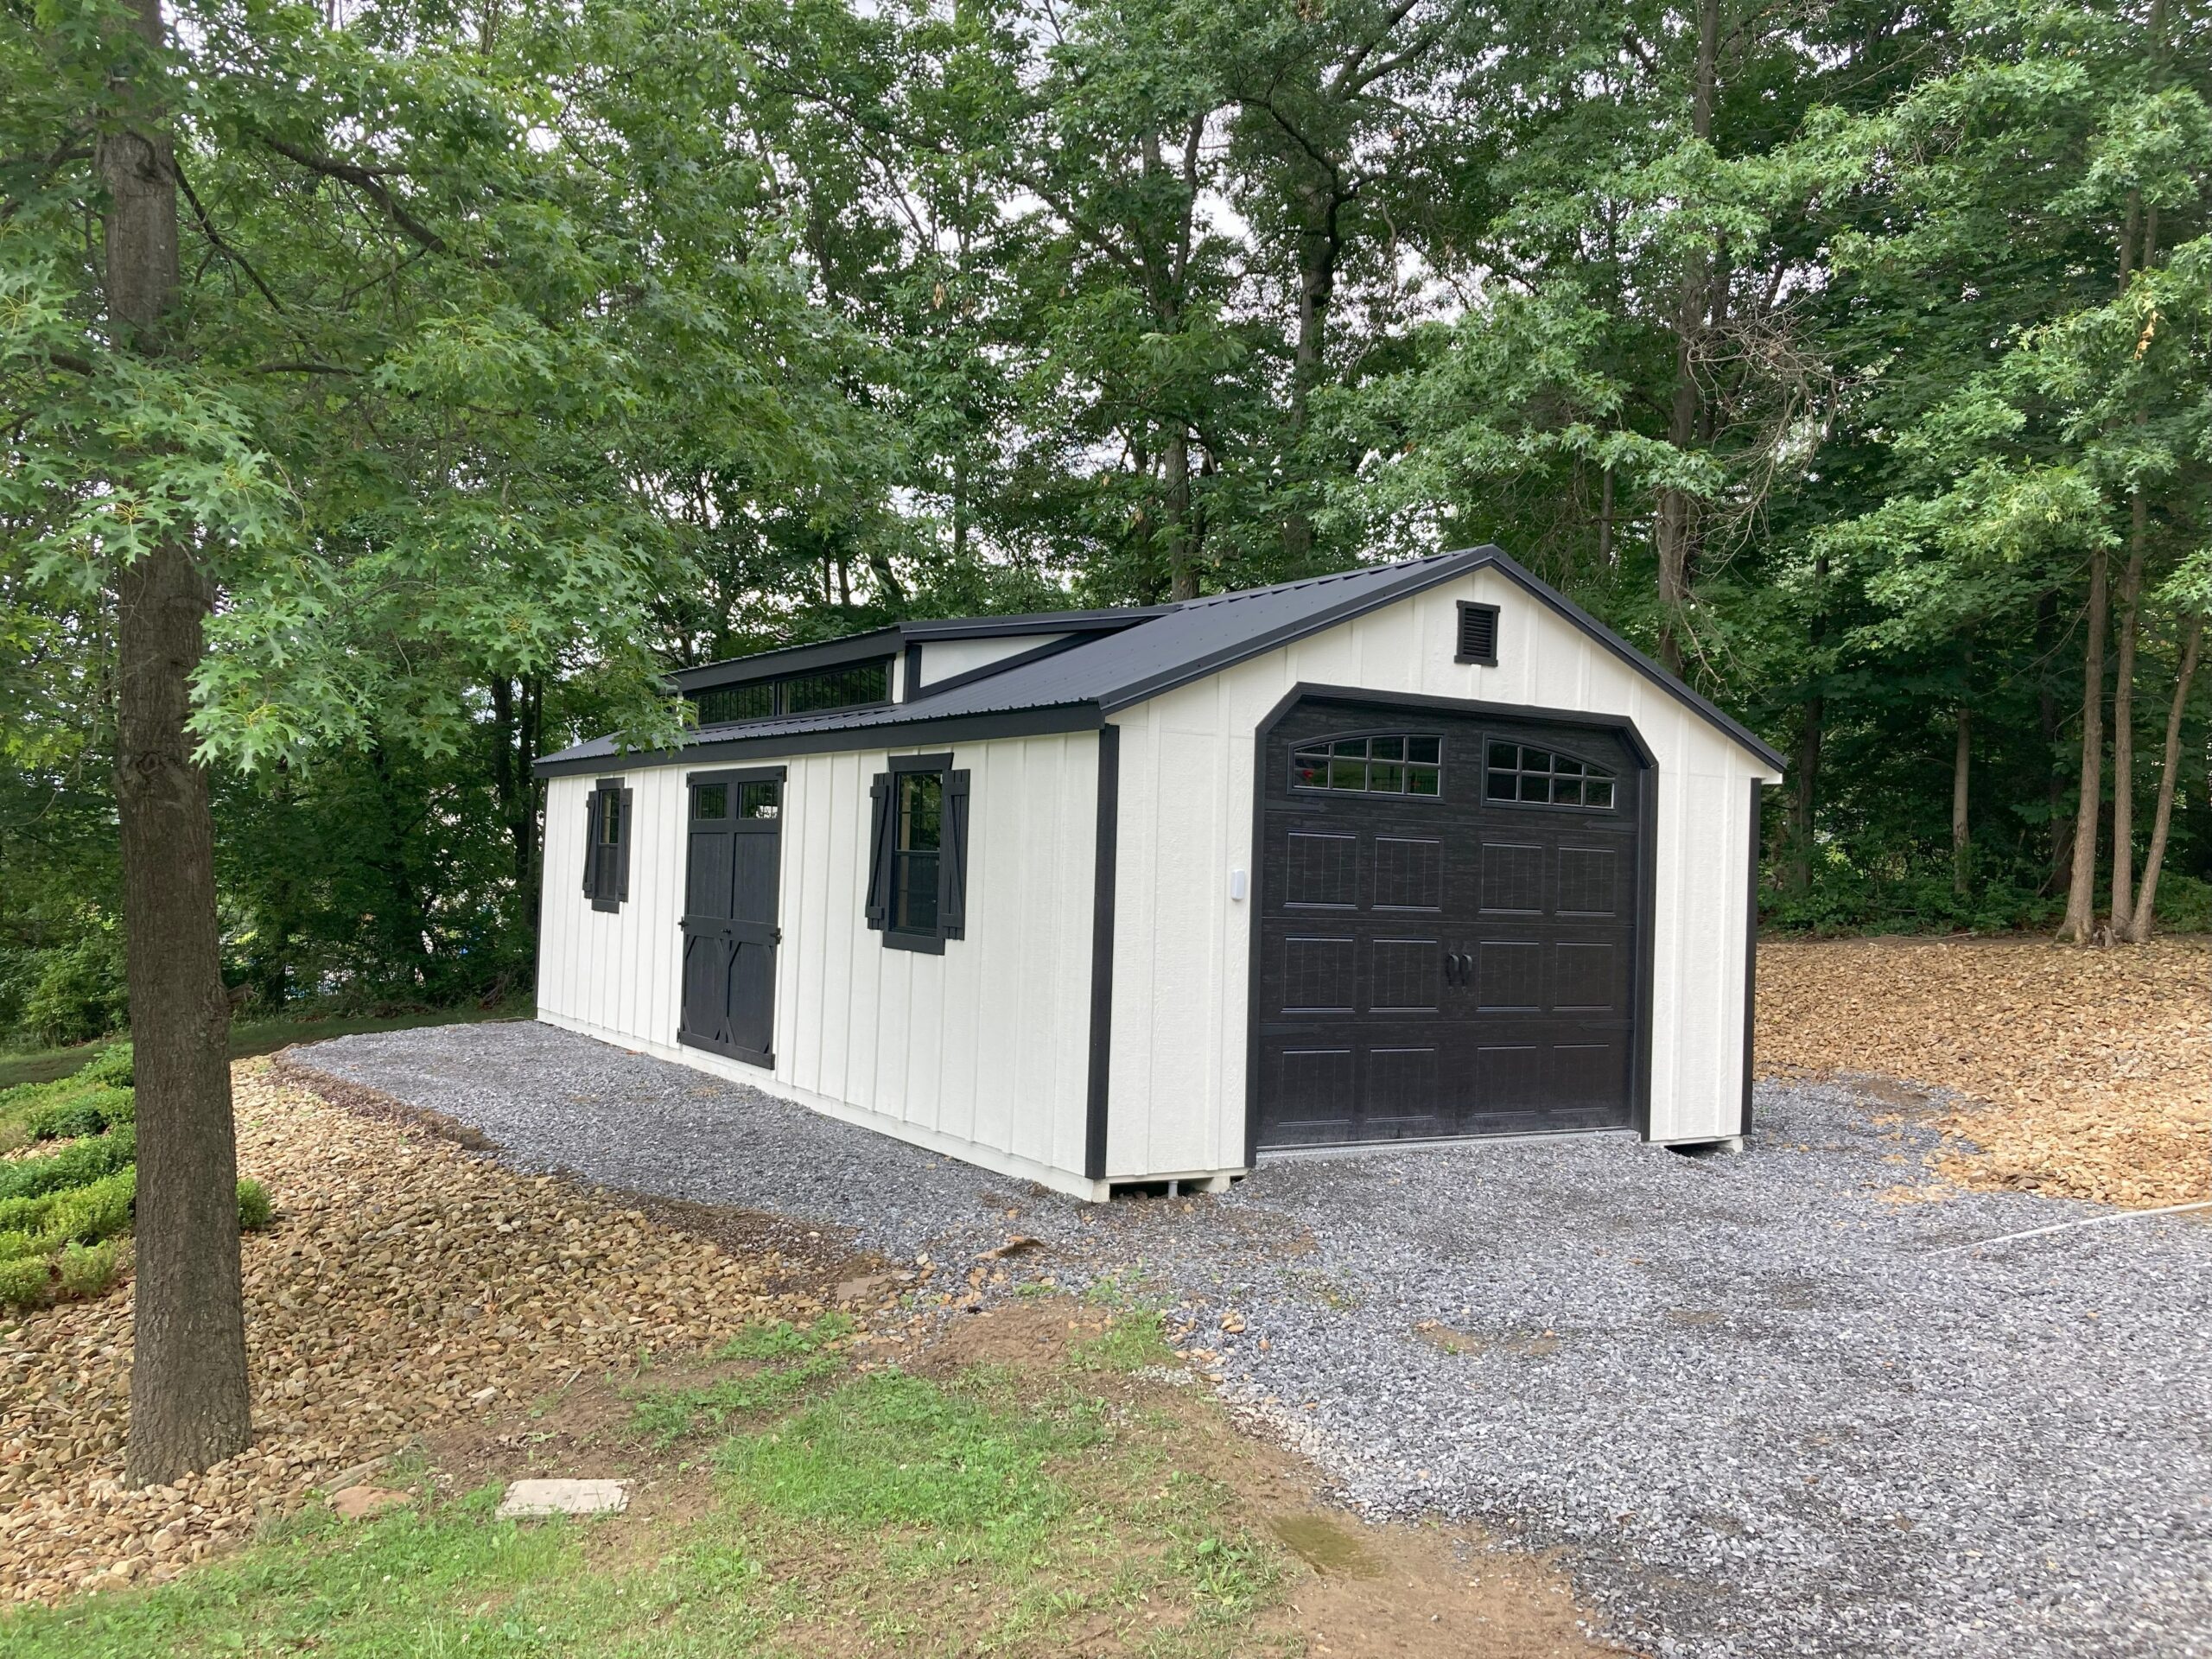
x,y
1760,1400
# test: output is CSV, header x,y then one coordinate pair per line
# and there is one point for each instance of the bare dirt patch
x,y
2087,1073
408,1284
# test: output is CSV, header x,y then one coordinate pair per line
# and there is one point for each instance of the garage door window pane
x,y
1388,763
1514,772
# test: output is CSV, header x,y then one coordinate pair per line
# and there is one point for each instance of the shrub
x,y
87,1214
87,1270
254,1210
75,1165
110,1067
79,1109
76,991
24,1282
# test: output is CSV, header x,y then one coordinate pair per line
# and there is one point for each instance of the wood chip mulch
x,y
407,1285
2084,1073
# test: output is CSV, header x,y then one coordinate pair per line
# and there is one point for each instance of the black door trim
x,y
1752,949
1647,862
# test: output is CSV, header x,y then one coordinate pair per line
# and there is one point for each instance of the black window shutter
x,y
879,851
591,845
622,849
953,866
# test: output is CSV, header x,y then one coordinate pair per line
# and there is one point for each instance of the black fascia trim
x,y
1647,871
1449,568
1751,951
1490,661
735,775
1098,1096
843,739
898,763
1446,568
985,627
910,672
1019,659
779,660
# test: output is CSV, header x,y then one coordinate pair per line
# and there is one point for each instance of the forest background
x,y
1852,358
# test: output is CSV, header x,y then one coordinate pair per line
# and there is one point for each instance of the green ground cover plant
x,y
986,1512
62,1211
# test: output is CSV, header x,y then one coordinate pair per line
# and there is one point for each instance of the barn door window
x,y
1514,772
917,853
607,834
1383,763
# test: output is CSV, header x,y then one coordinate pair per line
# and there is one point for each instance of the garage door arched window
x,y
1514,772
1372,763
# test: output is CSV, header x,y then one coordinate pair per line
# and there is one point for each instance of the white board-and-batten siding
x,y
982,1052
1182,945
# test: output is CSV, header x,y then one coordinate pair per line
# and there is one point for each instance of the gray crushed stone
x,y
1743,1393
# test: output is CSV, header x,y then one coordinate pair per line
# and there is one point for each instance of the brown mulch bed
x,y
408,1286
2084,1073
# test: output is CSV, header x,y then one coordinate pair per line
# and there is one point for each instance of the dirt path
x,y
2081,1073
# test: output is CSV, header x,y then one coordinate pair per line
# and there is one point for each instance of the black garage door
x,y
1449,925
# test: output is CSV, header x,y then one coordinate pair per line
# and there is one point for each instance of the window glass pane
x,y
1598,791
1504,757
1351,745
1386,777
711,801
1347,774
757,801
837,688
921,811
914,897
1421,780
1424,748
1309,768
1386,749
610,817
1567,766
1566,791
1501,787
1536,786
725,705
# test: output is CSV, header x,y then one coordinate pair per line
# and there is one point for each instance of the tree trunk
x,y
189,1403
1677,524
2080,924
2138,924
1962,844
1320,249
1805,771
2061,839
2123,726
1182,574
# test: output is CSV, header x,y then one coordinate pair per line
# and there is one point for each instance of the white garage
x,y
1414,853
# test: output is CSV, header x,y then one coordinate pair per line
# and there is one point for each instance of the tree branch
x,y
215,240
369,184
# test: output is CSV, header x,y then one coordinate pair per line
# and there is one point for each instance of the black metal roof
x,y
1138,654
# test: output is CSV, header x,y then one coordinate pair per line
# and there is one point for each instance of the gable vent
x,y
1477,634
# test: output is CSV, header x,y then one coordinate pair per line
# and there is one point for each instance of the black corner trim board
x,y
1098,1098
1751,951
1646,866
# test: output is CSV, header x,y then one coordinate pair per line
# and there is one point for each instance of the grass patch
x,y
882,1513
784,1340
251,1036
1130,1342
667,1415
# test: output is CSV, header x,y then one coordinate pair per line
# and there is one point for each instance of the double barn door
x,y
1448,921
734,822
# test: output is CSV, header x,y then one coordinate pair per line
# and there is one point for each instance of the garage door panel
x,y
1408,873
1408,976
1459,962
1321,870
